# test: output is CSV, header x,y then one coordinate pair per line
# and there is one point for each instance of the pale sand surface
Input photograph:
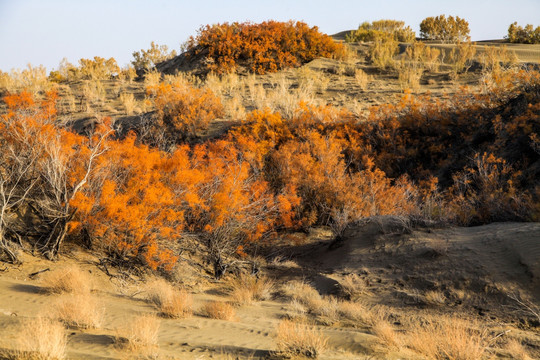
x,y
506,254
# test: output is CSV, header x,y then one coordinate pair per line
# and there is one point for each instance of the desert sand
x,y
398,264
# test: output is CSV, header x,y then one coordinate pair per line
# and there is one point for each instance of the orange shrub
x,y
135,205
185,110
264,47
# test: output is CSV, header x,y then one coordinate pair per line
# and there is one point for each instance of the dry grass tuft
x,y
299,340
449,338
355,312
435,297
353,286
245,289
172,302
80,311
386,334
128,102
219,310
517,350
362,79
41,339
141,335
152,79
70,279
296,311
302,292
326,310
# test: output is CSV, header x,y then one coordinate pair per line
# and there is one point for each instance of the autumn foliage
x,y
523,35
467,159
380,28
446,29
184,110
265,47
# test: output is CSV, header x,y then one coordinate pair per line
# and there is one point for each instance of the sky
x,y
43,32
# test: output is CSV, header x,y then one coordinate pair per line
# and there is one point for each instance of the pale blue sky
x,y
45,31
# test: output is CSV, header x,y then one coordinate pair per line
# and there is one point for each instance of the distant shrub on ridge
x,y
265,47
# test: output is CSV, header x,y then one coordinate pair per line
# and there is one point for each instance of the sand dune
x,y
393,259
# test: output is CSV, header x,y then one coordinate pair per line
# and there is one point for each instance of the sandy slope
x,y
395,262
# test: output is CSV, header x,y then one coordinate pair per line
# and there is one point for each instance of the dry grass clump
x,y
141,335
245,289
386,334
383,50
219,310
409,75
41,339
306,299
152,79
301,292
234,108
326,310
435,297
171,302
355,312
80,311
70,279
353,286
128,102
516,349
449,338
362,79
461,57
299,340
296,311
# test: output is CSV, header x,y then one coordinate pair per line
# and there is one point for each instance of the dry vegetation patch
x,y
70,279
447,337
294,339
140,336
219,310
246,289
41,339
80,311
171,302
